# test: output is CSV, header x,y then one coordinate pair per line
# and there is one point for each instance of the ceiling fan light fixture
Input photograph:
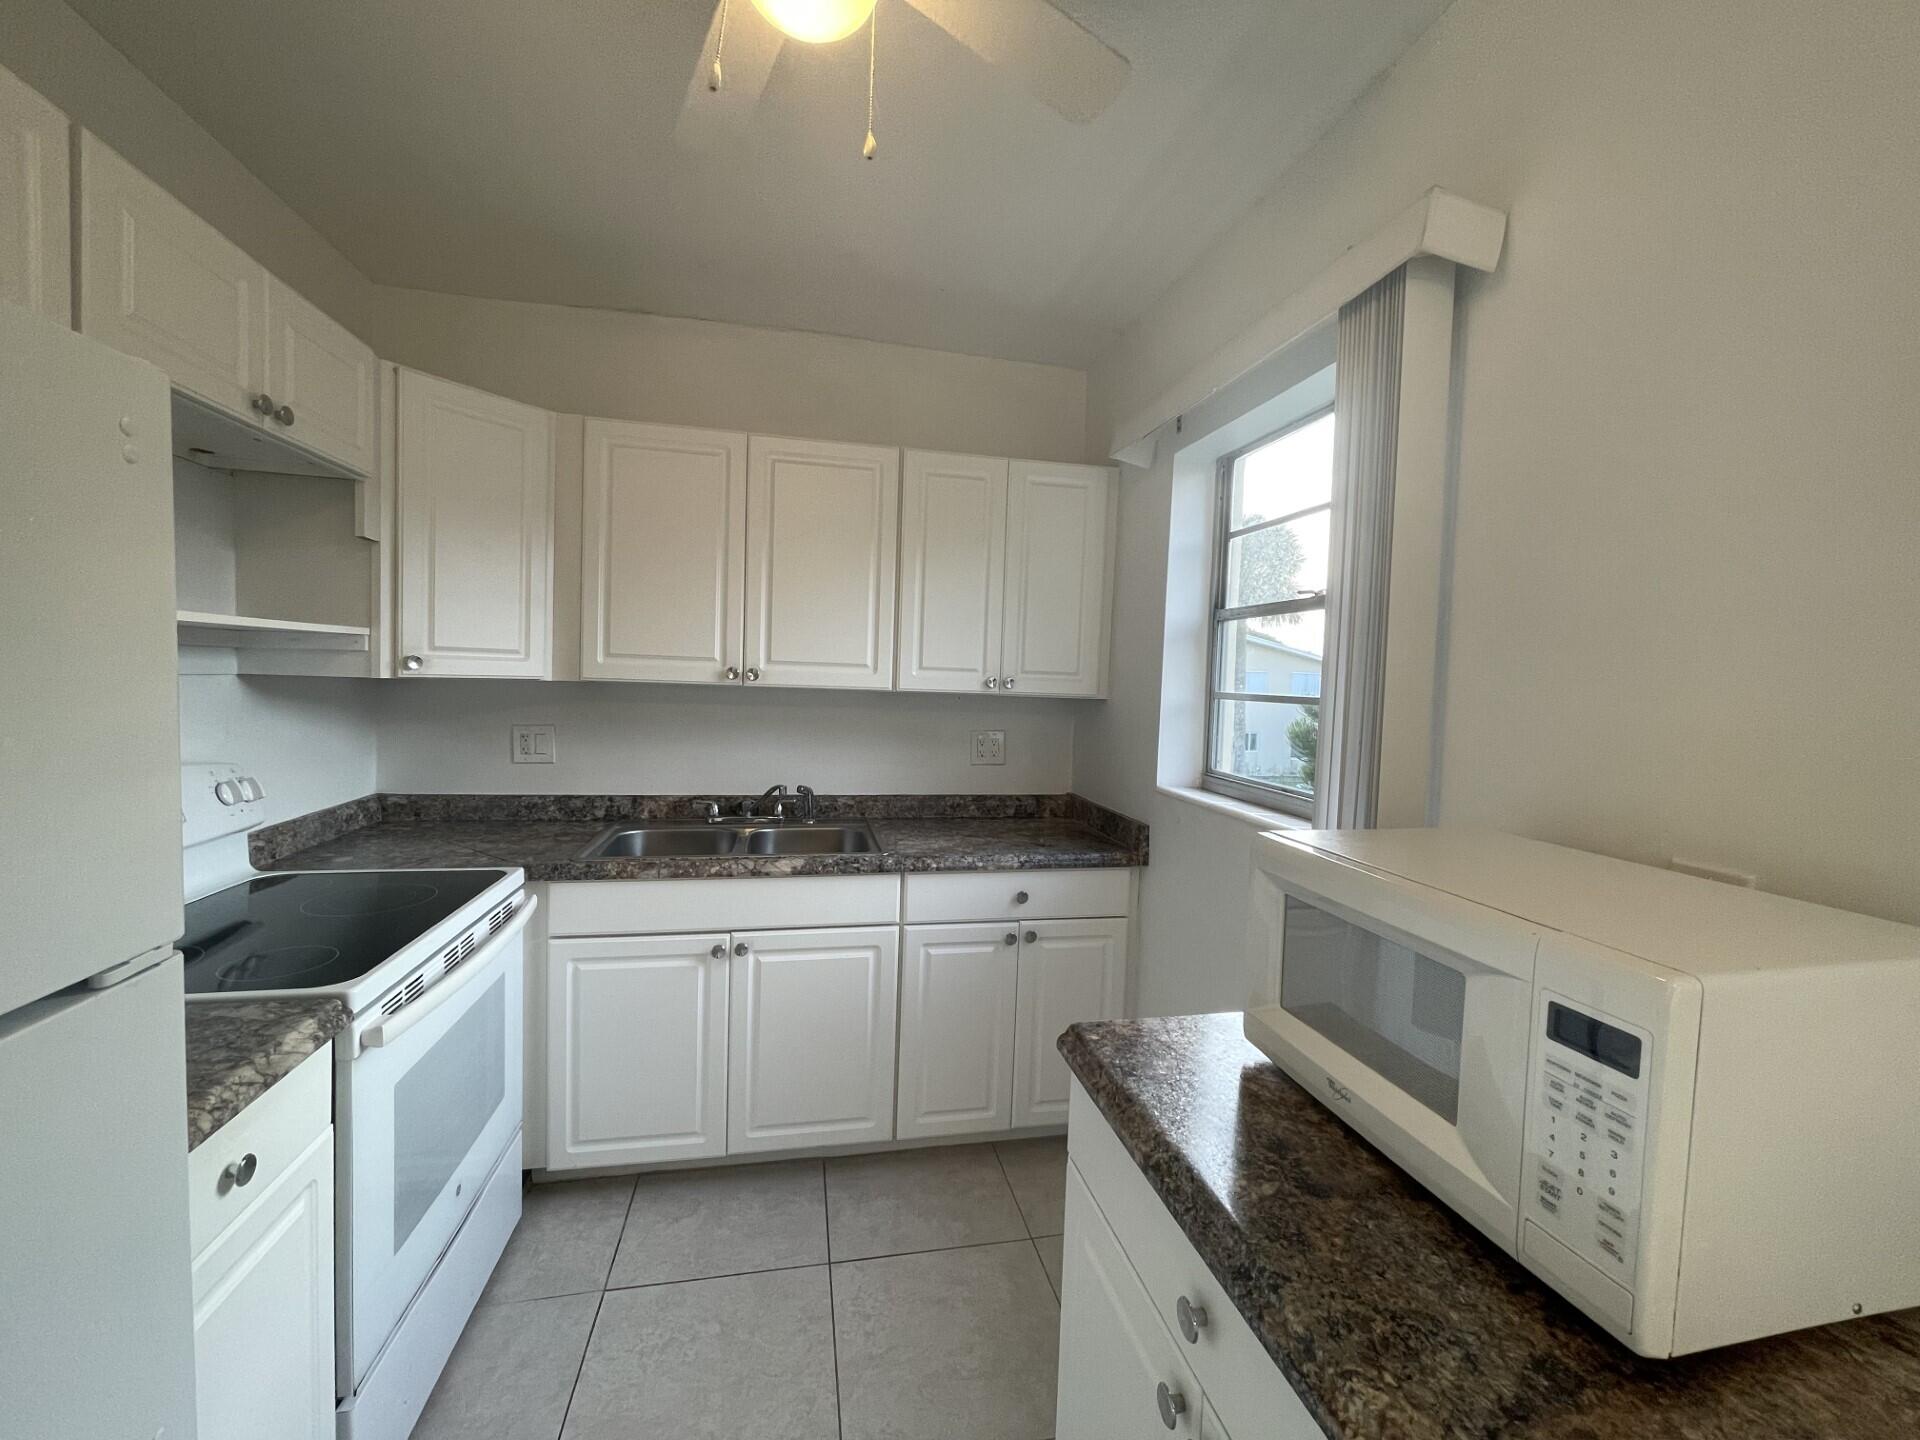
x,y
816,22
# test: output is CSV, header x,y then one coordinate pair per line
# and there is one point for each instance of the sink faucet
x,y
809,812
777,794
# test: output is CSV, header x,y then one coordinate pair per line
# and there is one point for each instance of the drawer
x,y
668,907
1240,1379
275,1129
1016,895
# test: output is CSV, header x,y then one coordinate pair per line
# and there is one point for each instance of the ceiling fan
x,y
1044,50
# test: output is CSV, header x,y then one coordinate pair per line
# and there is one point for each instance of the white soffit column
x,y
1439,223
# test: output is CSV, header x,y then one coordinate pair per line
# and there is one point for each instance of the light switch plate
x,y
533,745
989,747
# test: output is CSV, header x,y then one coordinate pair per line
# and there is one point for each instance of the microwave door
x,y
1419,1045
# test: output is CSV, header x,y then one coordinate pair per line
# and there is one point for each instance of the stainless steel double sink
x,y
684,839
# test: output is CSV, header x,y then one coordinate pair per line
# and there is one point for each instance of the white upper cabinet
x,y
474,475
637,1040
822,538
664,553
953,529
324,382
34,243
157,281
1070,971
811,1038
1060,535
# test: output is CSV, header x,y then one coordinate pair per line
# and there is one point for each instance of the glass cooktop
x,y
315,929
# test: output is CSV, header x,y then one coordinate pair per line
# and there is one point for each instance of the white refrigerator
x,y
96,1322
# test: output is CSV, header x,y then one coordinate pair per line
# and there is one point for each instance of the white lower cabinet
x,y
958,988
811,1038
263,1284
1120,1372
1125,1254
637,1028
1070,970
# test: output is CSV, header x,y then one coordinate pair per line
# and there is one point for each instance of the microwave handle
x,y
389,1031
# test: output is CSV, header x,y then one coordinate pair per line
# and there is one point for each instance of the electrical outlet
x,y
533,745
989,747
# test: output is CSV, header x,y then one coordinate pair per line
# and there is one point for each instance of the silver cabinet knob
x,y
740,948
1020,897
1172,1405
1192,1318
240,1171
412,663
1032,935
752,673
1012,939
284,415
993,682
1007,684
733,672
263,404
720,950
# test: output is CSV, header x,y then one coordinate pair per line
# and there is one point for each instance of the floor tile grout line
x,y
599,1304
1025,1224
833,1318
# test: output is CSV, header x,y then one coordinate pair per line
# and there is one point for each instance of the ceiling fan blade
x,y
1058,61
711,118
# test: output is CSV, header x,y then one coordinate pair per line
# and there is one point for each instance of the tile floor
x,y
911,1295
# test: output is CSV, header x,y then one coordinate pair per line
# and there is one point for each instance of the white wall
x,y
452,735
310,742
776,382
1686,440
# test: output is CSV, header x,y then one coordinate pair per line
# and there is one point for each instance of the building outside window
x,y
1272,547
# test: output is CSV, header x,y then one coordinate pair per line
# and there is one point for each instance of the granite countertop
x,y
238,1049
1393,1318
545,836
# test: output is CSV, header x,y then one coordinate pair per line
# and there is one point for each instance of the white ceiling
x,y
524,151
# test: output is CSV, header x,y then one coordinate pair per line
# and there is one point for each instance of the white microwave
x,y
1690,1108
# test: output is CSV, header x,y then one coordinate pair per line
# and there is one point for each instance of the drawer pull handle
x,y
1012,939
1020,897
1032,936
240,1172
1172,1405
1192,1318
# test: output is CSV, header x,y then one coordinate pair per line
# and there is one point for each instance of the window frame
x,y
1238,787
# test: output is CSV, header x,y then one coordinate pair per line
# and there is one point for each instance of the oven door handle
x,y
389,1031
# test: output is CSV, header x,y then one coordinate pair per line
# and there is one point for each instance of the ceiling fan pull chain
x,y
719,43
873,51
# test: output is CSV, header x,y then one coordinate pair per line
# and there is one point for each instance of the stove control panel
x,y
217,799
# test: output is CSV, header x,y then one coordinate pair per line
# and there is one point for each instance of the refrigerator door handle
x,y
127,969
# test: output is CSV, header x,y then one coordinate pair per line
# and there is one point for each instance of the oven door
x,y
1406,1011
426,1104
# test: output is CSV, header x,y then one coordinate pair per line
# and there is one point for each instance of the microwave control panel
x,y
1586,1129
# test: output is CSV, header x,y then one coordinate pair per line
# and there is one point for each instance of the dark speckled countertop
x,y
238,1049
545,836
1396,1321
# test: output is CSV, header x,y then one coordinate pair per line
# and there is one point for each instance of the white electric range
x,y
427,1098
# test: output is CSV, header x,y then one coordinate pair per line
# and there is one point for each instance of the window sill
x,y
1253,815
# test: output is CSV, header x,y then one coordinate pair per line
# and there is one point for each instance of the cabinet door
x,y
953,545
1115,1355
325,379
810,1056
34,268
157,281
957,989
475,482
822,537
664,553
1059,558
1070,970
1210,1426
263,1311
636,1050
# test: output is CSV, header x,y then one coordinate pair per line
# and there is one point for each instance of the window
x,y
1272,545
